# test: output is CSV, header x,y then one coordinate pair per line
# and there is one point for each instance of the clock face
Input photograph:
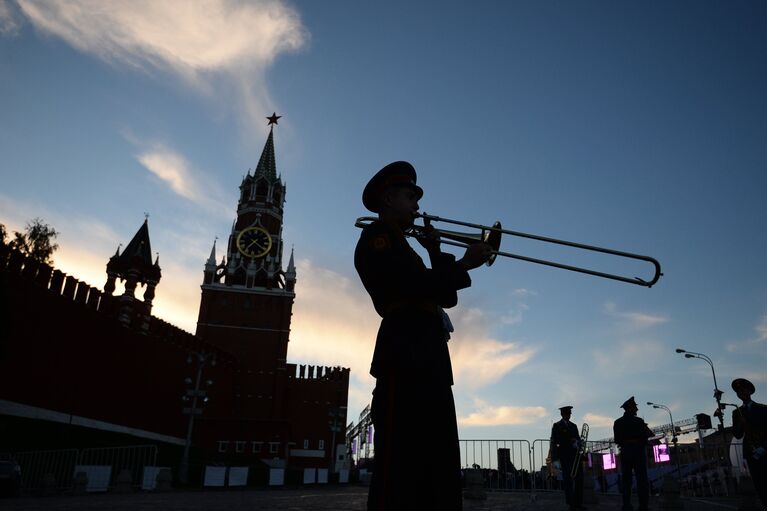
x,y
254,242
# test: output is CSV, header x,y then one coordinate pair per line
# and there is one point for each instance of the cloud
x,y
200,41
10,21
172,168
634,320
753,344
631,356
478,358
489,415
598,421
519,306
175,171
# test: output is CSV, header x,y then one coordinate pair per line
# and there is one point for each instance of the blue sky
x,y
639,127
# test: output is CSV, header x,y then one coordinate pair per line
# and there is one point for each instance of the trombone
x,y
492,236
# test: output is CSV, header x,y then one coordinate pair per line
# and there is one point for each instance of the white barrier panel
x,y
98,476
149,479
276,476
214,476
238,476
322,475
310,475
343,475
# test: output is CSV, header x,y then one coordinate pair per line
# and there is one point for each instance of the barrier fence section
x,y
132,458
711,470
36,465
56,469
505,464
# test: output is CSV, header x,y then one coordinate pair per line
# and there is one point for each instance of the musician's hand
x,y
430,237
476,255
759,452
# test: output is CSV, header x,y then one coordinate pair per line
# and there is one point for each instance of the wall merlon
x,y
81,295
29,271
70,286
93,298
43,277
323,373
57,281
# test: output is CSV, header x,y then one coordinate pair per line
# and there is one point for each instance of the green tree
x,y
37,240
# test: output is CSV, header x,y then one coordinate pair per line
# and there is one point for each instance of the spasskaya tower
x,y
247,297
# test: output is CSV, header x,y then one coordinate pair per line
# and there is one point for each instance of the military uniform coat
x,y
564,447
749,422
631,434
411,364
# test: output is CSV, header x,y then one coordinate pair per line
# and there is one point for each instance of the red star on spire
x,y
273,118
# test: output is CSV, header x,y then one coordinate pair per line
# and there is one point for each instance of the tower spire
x,y
267,166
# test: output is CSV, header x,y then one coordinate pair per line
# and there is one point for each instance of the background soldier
x,y
749,422
411,362
565,444
631,434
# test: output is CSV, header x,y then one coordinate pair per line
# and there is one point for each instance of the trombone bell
x,y
490,236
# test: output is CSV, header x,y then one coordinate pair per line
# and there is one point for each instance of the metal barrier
x,y
36,465
506,464
132,458
600,469
55,470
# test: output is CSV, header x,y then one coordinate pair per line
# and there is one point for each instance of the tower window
x,y
223,445
262,188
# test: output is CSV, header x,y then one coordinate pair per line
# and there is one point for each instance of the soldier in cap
x,y
631,434
411,362
749,422
565,444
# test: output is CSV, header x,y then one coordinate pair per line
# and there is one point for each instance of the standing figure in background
x,y
749,422
631,434
565,444
411,361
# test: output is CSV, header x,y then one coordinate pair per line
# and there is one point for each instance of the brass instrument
x,y
492,236
581,451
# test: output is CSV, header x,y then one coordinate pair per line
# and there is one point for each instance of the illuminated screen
x,y
661,453
608,461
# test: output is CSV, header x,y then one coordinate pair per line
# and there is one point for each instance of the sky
x,y
635,126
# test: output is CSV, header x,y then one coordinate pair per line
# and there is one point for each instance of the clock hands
x,y
257,244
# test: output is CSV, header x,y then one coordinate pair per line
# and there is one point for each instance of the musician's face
x,y
743,394
401,205
566,414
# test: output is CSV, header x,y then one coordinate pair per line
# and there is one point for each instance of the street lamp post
x,y
717,393
673,436
202,359
336,414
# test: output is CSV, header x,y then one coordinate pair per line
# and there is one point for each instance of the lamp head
x,y
680,350
650,404
687,355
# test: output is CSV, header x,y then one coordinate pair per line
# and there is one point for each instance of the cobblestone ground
x,y
327,498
